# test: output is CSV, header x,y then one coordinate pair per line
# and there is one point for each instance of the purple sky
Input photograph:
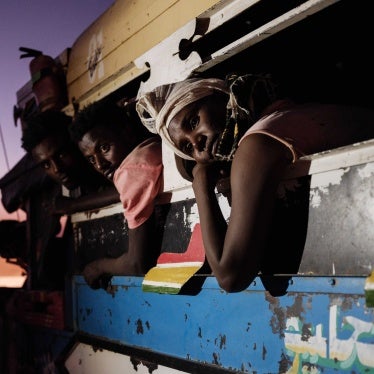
x,y
46,25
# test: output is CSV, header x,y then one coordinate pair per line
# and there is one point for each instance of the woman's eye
x,y
45,165
188,148
194,121
91,160
105,147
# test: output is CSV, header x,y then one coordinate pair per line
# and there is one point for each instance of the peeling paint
x,y
321,182
366,171
222,341
248,326
216,358
225,207
139,327
150,365
297,308
264,351
191,216
278,319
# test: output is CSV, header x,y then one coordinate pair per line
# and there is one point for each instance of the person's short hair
x,y
104,113
42,125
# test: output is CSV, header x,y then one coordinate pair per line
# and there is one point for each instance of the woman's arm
x,y
235,254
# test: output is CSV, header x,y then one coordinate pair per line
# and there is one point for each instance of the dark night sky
x,y
47,25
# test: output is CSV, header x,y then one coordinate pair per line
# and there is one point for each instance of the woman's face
x,y
196,129
105,149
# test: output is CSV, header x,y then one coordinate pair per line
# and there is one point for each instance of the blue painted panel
x,y
320,323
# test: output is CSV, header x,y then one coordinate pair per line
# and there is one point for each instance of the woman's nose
x,y
198,142
55,166
100,163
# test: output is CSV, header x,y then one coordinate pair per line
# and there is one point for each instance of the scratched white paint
x,y
366,171
95,64
192,218
320,183
85,359
225,207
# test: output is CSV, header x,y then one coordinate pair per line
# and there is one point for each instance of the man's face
x,y
105,149
196,129
60,159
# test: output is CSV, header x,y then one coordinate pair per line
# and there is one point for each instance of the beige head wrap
x,y
157,108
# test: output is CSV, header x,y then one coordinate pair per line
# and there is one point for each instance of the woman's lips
x,y
213,147
109,174
64,178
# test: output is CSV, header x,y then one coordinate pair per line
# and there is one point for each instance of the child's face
x,y
60,159
105,149
195,130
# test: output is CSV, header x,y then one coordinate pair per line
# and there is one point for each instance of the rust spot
x,y
199,334
264,351
216,359
284,364
306,332
222,342
278,319
249,324
94,60
135,363
150,365
297,308
139,327
97,349
111,290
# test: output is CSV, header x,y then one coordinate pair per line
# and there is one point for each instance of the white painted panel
x,y
84,359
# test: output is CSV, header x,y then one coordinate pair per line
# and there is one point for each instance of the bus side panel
x,y
322,323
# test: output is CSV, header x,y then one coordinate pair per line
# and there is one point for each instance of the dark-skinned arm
x,y
68,205
235,254
141,256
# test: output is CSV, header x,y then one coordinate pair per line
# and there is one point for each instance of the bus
x,y
314,313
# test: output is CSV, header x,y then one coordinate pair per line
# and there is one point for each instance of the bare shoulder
x,y
261,149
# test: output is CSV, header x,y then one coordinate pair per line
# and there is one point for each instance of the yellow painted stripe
x,y
171,274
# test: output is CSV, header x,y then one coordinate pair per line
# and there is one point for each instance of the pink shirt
x,y
310,128
139,180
